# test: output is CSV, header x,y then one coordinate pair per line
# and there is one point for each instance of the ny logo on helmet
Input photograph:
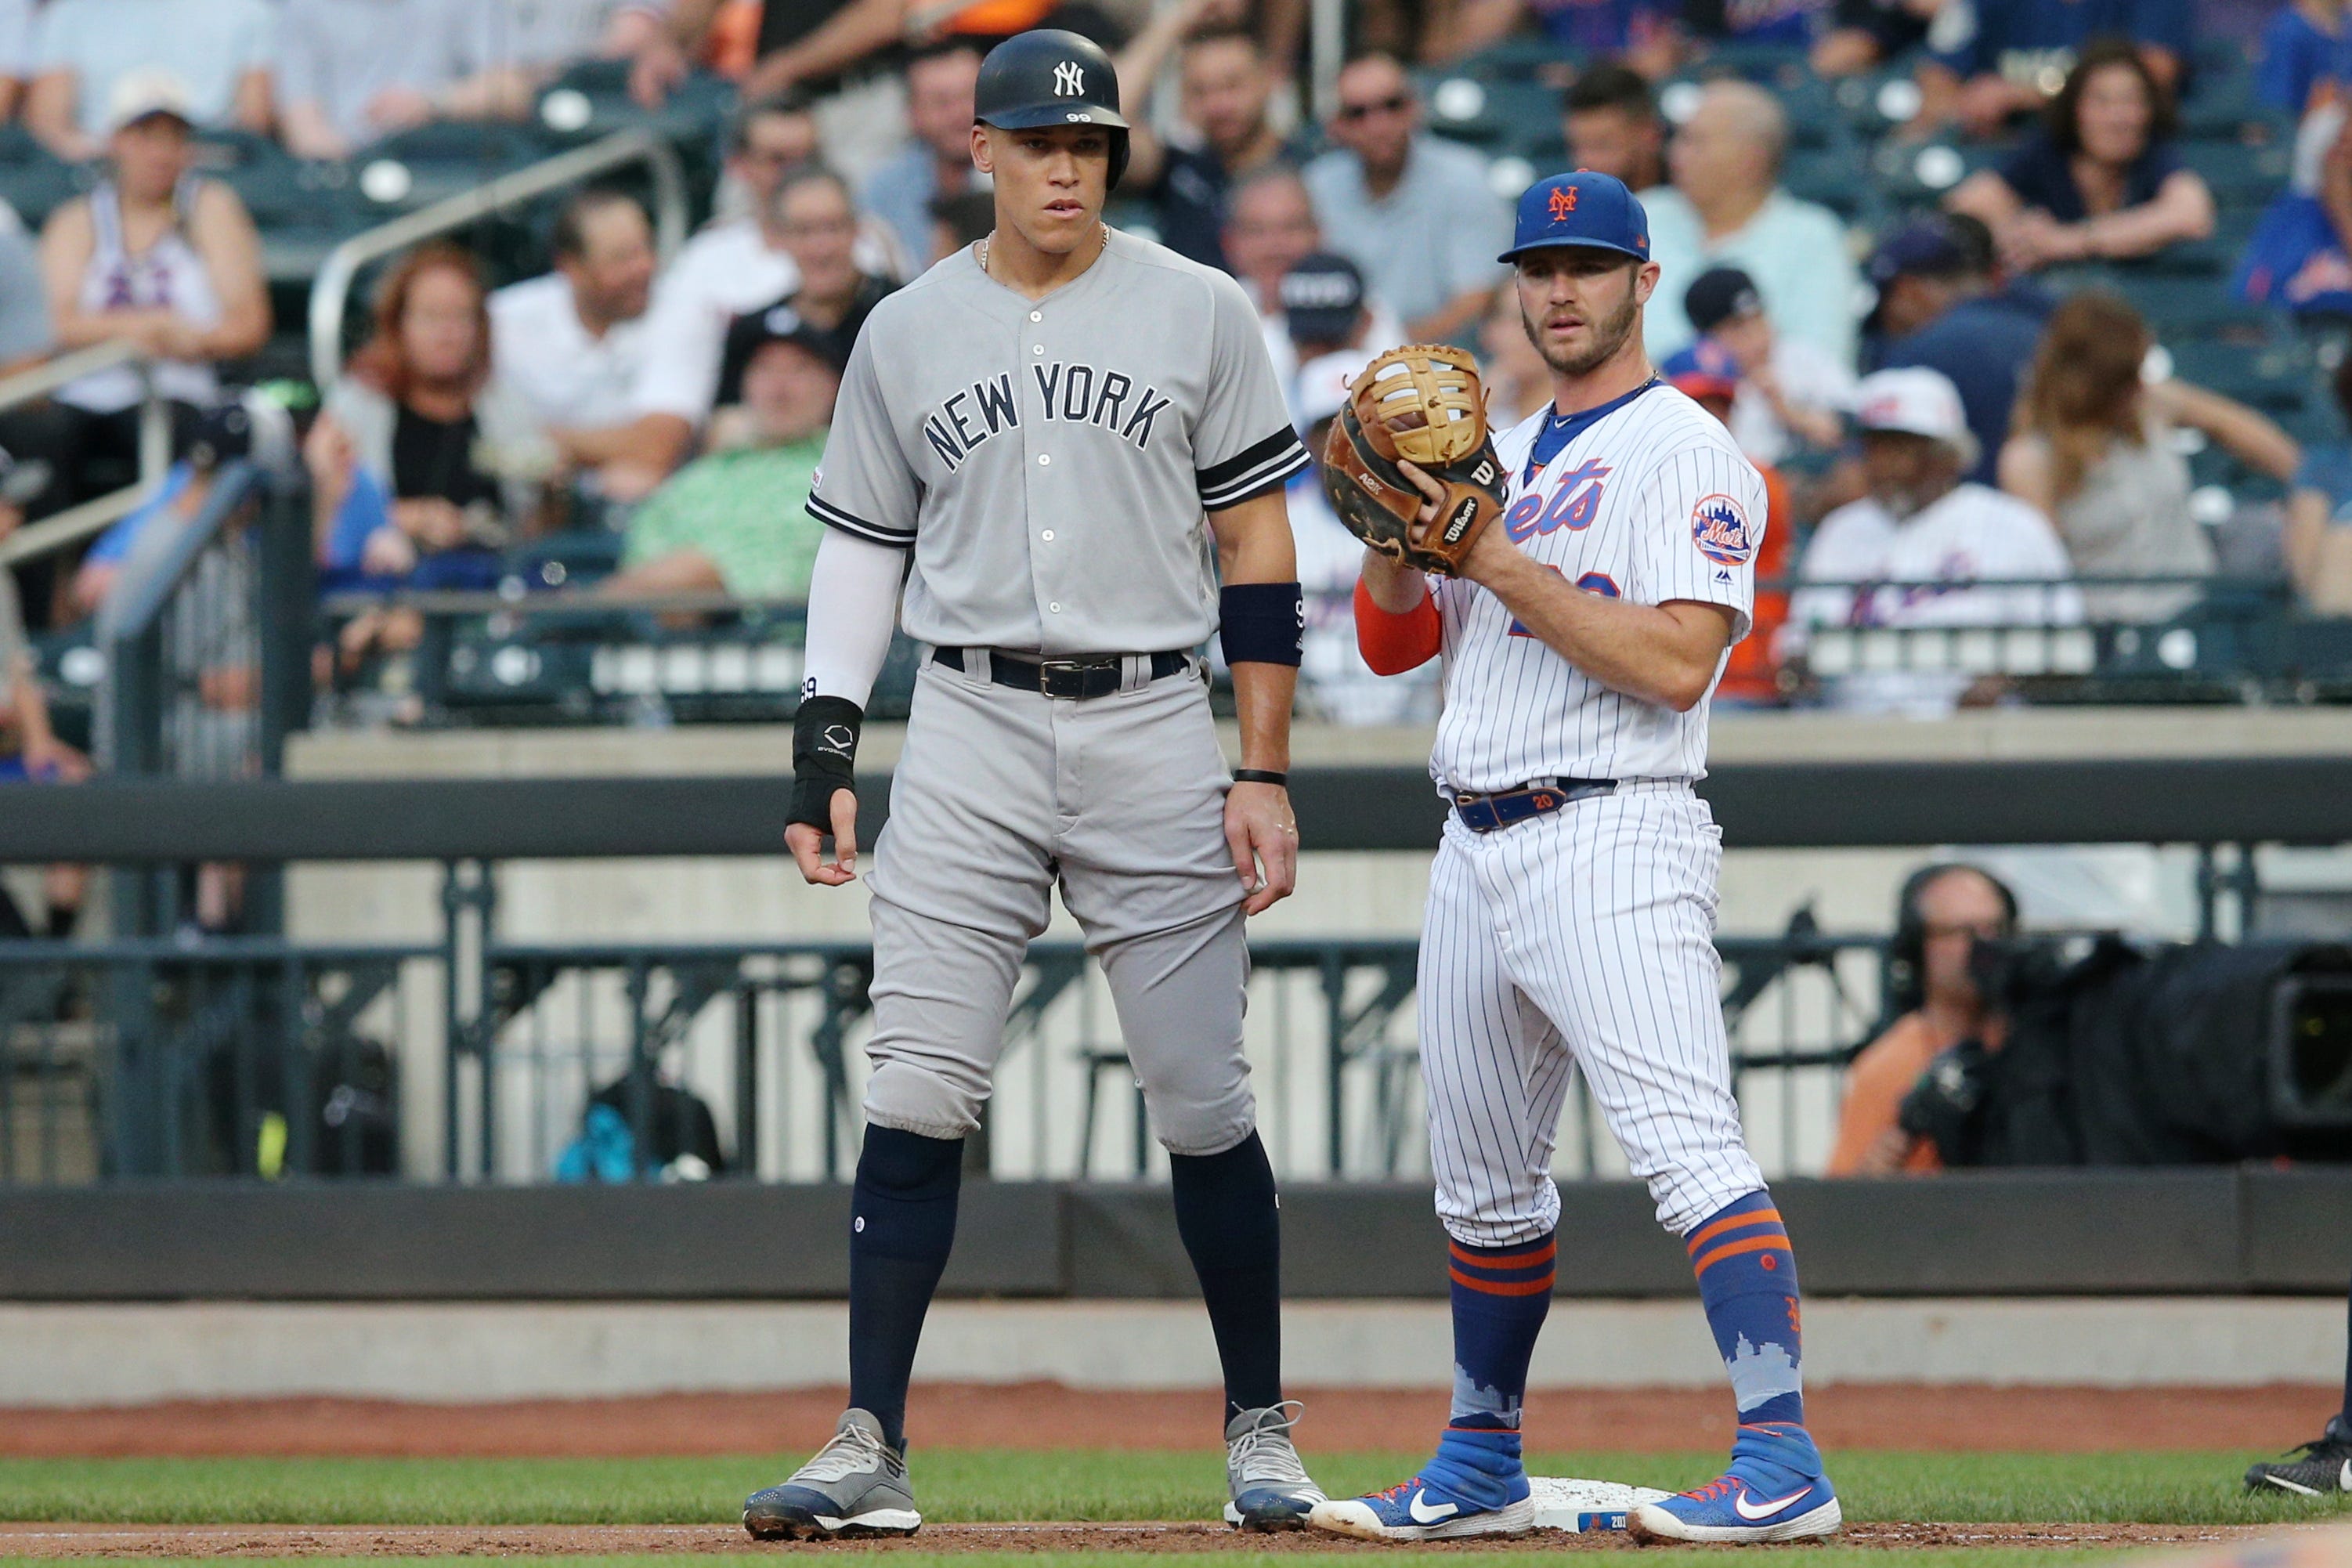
x,y
1069,80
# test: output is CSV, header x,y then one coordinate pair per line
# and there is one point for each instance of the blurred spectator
x,y
16,54
420,462
2093,452
1940,305
1790,395
2100,182
1269,229
744,264
961,220
1645,33
1943,913
830,295
155,256
734,520
2297,257
2014,55
1610,121
1325,313
1726,206
213,54
231,428
2300,51
1751,675
1225,94
539,39
351,71
2319,516
1864,34
1518,381
1773,23
29,748
1334,683
937,159
1908,552
572,343
1413,212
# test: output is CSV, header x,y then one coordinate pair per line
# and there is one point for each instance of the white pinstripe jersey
x,y
1649,502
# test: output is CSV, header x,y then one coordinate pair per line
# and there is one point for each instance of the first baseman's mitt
x,y
1421,403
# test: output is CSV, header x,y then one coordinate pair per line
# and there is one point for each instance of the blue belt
x,y
1490,812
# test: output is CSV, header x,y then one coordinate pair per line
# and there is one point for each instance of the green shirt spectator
x,y
744,512
735,521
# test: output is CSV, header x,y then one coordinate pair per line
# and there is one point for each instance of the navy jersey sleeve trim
x,y
832,516
1261,467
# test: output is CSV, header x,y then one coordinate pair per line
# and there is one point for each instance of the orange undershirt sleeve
x,y
1392,644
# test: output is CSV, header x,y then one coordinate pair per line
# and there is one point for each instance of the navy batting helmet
x,y
1048,76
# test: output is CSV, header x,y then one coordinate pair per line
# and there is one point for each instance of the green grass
x,y
999,1487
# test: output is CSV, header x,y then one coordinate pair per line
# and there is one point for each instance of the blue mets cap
x,y
1595,211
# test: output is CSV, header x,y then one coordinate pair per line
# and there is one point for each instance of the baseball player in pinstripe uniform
x,y
1070,445
1571,907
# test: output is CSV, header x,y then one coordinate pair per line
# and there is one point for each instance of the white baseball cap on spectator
x,y
146,93
1323,384
1916,401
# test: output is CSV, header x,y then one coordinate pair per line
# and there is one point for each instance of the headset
x,y
1906,956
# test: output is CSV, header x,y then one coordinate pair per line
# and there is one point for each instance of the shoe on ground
x,y
856,1485
2317,1469
1474,1486
1775,1489
1268,1482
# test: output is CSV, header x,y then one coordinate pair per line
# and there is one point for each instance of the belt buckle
x,y
1066,678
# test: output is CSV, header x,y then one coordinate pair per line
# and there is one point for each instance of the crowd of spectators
x,y
1933,397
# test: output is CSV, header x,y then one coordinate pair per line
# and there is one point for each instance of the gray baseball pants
x,y
999,797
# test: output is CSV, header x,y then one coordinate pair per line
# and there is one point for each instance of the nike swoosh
x,y
1766,1510
2345,1481
1431,1515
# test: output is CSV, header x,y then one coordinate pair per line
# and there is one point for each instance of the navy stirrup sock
x,y
1748,1280
905,1209
1228,1214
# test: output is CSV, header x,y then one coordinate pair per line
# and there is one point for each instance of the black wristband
x,y
824,757
1262,623
1261,776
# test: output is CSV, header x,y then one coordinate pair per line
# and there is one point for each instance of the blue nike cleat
x,y
1474,1486
1775,1489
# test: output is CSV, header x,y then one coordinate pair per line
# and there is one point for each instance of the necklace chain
x,y
991,234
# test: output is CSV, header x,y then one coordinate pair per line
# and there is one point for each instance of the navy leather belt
x,y
1098,675
1491,813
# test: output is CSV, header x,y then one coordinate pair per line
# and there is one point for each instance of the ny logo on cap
x,y
1563,202
1069,80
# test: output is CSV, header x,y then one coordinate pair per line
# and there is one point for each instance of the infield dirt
x,y
70,1540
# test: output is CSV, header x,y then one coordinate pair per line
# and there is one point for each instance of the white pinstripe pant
x,y
1583,937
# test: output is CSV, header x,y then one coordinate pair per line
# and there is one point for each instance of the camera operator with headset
x,y
1943,915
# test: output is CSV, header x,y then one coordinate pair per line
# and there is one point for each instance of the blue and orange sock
x,y
1501,1295
1747,1280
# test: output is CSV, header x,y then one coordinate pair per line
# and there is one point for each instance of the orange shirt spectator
x,y
1707,375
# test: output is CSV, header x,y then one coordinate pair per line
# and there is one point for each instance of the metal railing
x,y
254,1056
76,523
330,292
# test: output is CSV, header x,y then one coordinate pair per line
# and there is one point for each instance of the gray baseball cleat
x,y
856,1485
2315,1470
1271,1488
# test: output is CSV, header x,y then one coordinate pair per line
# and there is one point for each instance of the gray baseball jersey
x,y
1049,462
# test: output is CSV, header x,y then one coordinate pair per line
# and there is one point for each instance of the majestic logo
x,y
1563,202
1719,527
1069,80
1423,1515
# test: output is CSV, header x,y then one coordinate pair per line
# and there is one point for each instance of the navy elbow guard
x,y
824,757
1262,623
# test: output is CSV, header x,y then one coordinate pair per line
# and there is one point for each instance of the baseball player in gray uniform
x,y
1070,447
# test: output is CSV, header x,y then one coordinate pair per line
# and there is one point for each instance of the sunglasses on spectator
x,y
1395,105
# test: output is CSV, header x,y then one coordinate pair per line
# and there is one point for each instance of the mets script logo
x,y
1563,202
1720,528
1572,504
1069,80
